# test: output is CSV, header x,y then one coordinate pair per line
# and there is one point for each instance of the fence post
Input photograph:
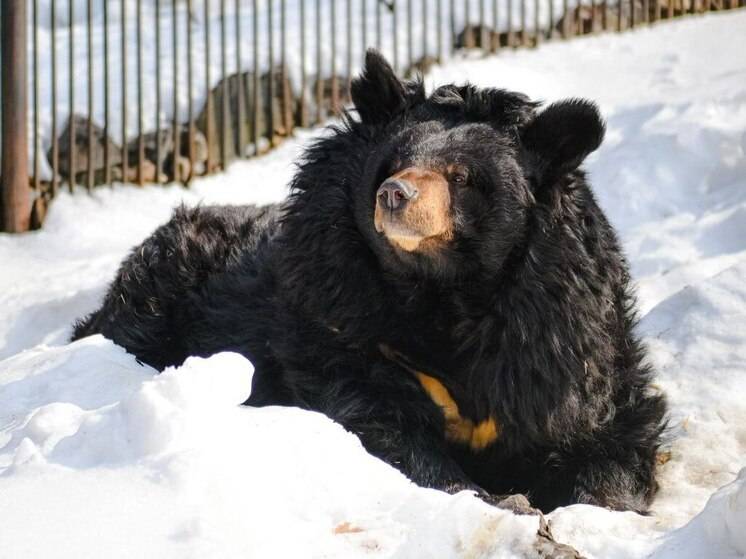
x,y
15,189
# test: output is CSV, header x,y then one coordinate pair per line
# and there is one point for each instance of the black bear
x,y
441,282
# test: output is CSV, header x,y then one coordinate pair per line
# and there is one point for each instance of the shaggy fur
x,y
524,316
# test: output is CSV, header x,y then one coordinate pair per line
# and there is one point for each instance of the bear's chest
x,y
467,421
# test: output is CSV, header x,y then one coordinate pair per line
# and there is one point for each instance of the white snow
x,y
98,455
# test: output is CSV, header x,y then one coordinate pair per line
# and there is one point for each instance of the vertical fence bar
x,y
395,27
287,112
140,111
55,140
511,38
240,94
566,19
334,84
620,16
468,31
454,32
272,93
524,31
495,42
364,25
158,154
107,108
190,93
632,22
379,7
35,31
71,87
225,100
89,48
209,125
669,8
319,80
439,31
176,150
125,151
483,28
594,10
349,47
537,23
423,6
15,192
410,37
303,109
257,81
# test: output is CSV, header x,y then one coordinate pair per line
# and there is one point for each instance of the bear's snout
x,y
413,206
395,193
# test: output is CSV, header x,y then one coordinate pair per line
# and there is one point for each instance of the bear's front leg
x,y
387,409
609,474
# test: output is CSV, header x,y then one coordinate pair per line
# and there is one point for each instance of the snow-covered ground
x,y
100,457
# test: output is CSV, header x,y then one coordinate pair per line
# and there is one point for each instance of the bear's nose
x,y
394,194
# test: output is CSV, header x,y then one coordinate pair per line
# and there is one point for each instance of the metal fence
x,y
152,91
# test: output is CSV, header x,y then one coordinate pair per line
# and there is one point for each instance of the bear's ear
x,y
378,94
559,138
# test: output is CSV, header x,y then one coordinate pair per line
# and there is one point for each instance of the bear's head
x,y
453,187
449,181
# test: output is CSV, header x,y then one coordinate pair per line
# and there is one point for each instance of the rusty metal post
x,y
16,194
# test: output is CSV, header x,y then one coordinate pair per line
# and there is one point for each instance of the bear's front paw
x,y
545,545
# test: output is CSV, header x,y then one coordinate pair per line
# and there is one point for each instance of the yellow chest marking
x,y
459,429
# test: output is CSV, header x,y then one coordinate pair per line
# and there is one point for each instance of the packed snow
x,y
99,455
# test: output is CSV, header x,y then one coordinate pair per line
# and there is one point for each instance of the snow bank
x,y
172,465
98,454
717,532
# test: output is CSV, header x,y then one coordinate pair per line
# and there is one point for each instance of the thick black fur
x,y
526,316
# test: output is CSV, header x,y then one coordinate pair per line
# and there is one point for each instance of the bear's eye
x,y
459,177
